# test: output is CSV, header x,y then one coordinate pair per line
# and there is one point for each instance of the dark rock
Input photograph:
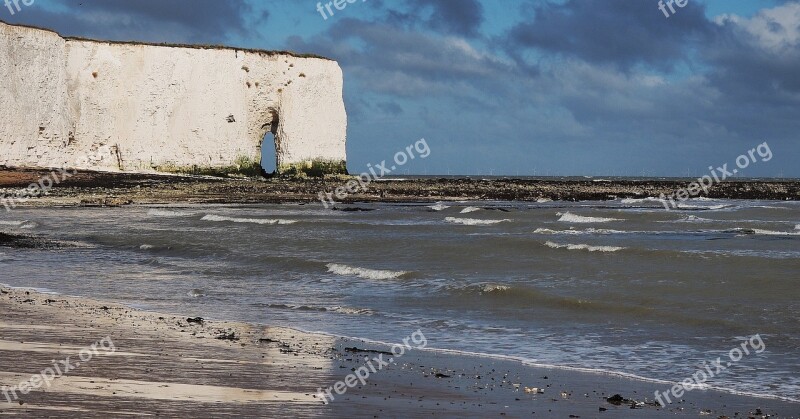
x,y
617,400
227,336
198,320
357,350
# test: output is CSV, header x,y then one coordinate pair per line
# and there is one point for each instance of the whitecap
x,y
12,223
569,217
549,231
364,273
146,247
641,200
588,231
159,212
693,219
468,210
543,200
797,227
473,221
439,207
702,207
583,247
219,218
350,310
490,288
196,293
776,233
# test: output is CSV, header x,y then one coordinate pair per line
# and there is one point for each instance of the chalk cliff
x,y
109,106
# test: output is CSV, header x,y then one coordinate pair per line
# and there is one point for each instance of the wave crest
x,y
641,200
160,212
474,221
364,273
569,217
25,224
219,218
468,210
584,247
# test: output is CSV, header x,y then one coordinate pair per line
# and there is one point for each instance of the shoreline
x,y
159,372
92,189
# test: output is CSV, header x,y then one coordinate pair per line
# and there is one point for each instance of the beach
x,y
165,366
241,297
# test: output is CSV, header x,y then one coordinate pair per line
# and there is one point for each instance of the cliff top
x,y
168,45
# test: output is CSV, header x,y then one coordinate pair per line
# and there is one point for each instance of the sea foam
x,y
364,273
219,218
640,200
588,231
584,247
439,207
468,210
569,217
159,212
474,221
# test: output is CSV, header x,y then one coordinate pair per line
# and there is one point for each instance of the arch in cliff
x,y
269,144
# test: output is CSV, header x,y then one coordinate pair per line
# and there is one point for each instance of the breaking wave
x,y
474,221
758,231
693,219
439,207
468,210
640,200
19,224
702,207
569,217
364,273
218,218
590,231
583,247
158,212
335,309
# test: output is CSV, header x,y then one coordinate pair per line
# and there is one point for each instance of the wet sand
x,y
171,366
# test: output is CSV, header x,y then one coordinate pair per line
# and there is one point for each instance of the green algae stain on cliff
x,y
248,167
241,167
313,168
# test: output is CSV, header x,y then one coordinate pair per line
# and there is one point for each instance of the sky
x,y
516,87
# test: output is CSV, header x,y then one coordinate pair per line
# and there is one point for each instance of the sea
x,y
620,287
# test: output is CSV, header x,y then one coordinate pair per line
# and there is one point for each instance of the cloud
x,y
454,17
391,59
390,108
758,58
174,21
618,32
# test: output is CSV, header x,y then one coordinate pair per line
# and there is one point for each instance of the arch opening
x,y
269,146
269,155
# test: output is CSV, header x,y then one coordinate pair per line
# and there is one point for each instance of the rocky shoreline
x,y
116,189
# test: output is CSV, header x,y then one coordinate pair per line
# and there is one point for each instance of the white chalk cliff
x,y
109,106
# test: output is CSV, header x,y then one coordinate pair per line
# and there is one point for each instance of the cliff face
x,y
92,105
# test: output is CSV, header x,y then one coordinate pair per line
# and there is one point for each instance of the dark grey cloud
x,y
618,32
174,21
457,17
